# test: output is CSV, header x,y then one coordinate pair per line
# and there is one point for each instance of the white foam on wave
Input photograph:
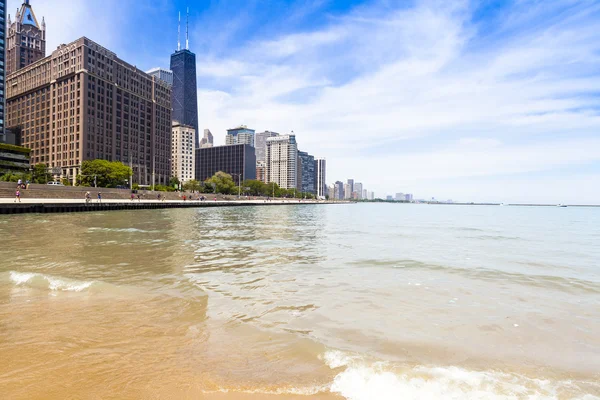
x,y
377,380
49,282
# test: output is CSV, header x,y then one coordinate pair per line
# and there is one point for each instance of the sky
x,y
489,100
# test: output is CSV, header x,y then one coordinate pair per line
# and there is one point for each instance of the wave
x,y
128,230
362,380
41,281
568,284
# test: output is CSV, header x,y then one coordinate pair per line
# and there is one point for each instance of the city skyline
x,y
498,108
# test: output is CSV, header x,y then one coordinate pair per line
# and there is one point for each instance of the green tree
x,y
174,182
192,186
40,174
223,183
107,173
256,188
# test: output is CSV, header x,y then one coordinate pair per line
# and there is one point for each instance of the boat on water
x,y
561,205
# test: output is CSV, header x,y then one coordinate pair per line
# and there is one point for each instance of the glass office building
x,y
236,160
184,92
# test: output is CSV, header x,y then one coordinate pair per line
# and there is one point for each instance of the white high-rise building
x,y
321,181
347,191
183,160
400,196
282,161
371,195
165,75
365,195
358,189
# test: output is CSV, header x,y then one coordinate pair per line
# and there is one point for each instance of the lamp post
x,y
239,185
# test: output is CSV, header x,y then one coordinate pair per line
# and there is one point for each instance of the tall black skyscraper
x,y
185,94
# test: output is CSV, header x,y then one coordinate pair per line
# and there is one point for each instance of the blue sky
x,y
469,100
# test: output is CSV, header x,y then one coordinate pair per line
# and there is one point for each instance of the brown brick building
x,y
25,39
83,103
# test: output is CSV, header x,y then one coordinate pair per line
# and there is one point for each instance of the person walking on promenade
x,y
132,196
99,197
138,197
27,184
88,197
18,194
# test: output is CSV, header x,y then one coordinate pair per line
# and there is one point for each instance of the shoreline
x,y
42,206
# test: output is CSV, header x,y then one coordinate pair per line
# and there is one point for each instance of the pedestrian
x,y
27,184
99,197
138,197
132,196
184,197
158,198
19,182
88,198
18,195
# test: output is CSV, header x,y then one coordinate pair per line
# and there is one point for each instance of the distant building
x,y
183,159
400,197
185,92
351,185
358,190
331,192
307,173
237,160
408,197
26,38
240,135
282,161
164,75
347,191
365,195
261,171
371,196
339,190
321,171
122,113
389,198
207,140
260,144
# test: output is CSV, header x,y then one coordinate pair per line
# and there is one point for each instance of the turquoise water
x,y
405,301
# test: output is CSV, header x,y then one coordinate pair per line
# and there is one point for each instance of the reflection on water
x,y
286,301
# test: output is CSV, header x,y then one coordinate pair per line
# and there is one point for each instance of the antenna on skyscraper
x,y
187,36
179,33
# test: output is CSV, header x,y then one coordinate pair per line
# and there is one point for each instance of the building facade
x,y
240,135
185,92
164,75
307,173
82,103
207,140
237,160
260,144
183,158
2,67
339,190
358,189
13,158
282,161
25,39
321,180
261,171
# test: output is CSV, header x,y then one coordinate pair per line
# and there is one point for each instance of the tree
x,y
192,186
223,183
40,174
106,173
174,182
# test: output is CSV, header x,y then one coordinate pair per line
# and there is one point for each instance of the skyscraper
x,y
182,152
339,190
321,177
237,160
207,140
260,144
164,75
90,105
358,190
185,93
351,185
307,173
26,39
282,161
240,135
2,61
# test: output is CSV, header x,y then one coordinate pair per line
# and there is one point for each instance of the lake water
x,y
366,301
